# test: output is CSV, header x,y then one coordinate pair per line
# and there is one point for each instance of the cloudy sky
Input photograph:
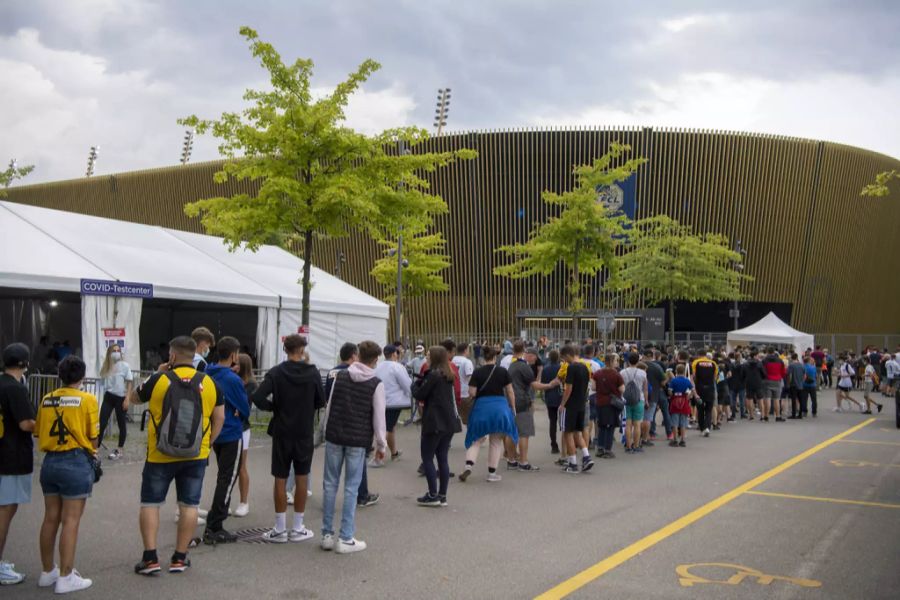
x,y
118,73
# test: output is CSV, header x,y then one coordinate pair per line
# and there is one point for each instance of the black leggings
x,y
112,402
553,413
436,444
808,393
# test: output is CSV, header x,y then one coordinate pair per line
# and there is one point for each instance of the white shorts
x,y
246,436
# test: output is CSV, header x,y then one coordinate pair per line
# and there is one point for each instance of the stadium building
x,y
822,257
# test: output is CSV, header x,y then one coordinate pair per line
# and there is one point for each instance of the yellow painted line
x,y
818,499
611,562
870,442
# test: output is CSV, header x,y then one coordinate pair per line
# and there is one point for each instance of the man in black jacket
x,y
296,390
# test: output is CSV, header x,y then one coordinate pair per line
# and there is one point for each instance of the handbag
x,y
94,461
616,401
467,404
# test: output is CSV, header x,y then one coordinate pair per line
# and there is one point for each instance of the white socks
x,y
298,521
585,452
572,460
280,522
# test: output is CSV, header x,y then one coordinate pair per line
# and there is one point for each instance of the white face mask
x,y
205,353
116,356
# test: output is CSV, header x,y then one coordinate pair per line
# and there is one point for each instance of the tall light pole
x,y
92,160
187,147
443,107
402,263
738,266
341,259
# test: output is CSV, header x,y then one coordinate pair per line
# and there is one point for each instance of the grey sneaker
x,y
327,542
300,535
276,537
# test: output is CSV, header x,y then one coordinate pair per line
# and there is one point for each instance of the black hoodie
x,y
296,390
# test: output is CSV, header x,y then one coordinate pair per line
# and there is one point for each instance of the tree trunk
x,y
576,292
307,273
672,322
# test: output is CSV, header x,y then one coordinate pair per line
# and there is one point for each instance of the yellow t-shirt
x,y
564,368
154,391
67,419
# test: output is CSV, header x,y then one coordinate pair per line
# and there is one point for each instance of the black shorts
x,y
287,452
574,420
392,415
755,393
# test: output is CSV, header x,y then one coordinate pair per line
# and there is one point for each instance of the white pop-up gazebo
x,y
51,250
771,330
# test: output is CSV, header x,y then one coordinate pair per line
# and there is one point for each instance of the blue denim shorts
x,y
157,477
68,475
15,489
650,412
680,420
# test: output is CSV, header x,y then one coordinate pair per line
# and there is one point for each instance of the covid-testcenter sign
x,y
127,289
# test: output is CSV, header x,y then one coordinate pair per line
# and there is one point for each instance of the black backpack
x,y
179,432
632,394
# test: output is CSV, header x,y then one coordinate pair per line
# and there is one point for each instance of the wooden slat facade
x,y
812,241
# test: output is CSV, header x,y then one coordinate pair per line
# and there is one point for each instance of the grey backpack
x,y
179,432
632,394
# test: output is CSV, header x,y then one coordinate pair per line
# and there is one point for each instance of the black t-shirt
x,y
487,384
16,446
578,377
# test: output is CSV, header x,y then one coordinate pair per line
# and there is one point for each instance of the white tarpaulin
x,y
106,312
44,249
771,330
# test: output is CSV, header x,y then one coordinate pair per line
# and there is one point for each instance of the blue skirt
x,y
491,414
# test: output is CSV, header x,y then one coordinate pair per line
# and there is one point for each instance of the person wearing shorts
x,y
753,373
68,430
680,388
845,384
398,392
574,403
634,413
296,394
776,371
160,469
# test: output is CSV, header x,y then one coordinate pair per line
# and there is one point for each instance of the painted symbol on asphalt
x,y
689,579
840,462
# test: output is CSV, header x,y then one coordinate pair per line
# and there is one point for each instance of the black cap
x,y
16,356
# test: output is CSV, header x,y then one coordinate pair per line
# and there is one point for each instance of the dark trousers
x,y
436,445
605,436
363,491
808,393
228,457
111,403
662,405
553,414
704,410
796,408
826,376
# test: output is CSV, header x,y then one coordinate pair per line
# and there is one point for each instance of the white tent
x,y
771,330
44,249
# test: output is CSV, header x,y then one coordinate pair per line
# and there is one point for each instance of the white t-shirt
x,y
870,373
114,383
639,376
465,368
846,373
506,361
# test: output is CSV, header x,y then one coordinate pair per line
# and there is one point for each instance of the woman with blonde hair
x,y
245,372
117,382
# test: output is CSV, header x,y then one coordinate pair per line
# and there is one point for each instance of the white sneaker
x,y
706,432
300,535
72,583
276,537
200,516
242,510
354,545
115,455
8,575
376,464
290,498
327,542
48,579
493,477
308,493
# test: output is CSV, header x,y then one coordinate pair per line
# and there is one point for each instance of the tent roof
x,y
53,250
768,327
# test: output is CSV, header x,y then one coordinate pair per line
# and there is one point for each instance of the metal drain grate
x,y
252,536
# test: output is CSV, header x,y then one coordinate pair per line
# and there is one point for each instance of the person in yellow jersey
x,y
186,412
67,428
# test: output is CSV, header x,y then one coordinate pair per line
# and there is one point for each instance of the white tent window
x,y
771,330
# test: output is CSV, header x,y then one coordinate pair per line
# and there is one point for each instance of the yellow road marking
x,y
818,499
870,442
688,579
611,562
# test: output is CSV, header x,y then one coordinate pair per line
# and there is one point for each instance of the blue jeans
x,y
157,477
335,459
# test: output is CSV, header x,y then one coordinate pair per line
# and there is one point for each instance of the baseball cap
x,y
16,356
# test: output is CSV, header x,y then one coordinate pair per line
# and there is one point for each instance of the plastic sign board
x,y
127,289
113,337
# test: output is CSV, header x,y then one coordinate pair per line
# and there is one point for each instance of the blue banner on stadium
x,y
100,287
619,198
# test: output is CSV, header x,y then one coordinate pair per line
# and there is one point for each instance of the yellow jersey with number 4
x,y
67,419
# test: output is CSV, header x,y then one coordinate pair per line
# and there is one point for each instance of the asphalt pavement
x,y
825,526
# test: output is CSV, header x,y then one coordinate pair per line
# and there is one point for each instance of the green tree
x,y
11,174
426,260
880,187
666,262
316,175
583,238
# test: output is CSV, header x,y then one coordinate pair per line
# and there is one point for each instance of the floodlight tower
x,y
92,160
188,146
443,107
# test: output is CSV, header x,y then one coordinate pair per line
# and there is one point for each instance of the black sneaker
x,y
779,419
465,474
443,500
587,464
601,452
222,536
554,449
179,565
562,462
609,454
512,465
731,419
148,568
681,444
429,500
369,500
880,407
528,467
673,443
648,443
570,468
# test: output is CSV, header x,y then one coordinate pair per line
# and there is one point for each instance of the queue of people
x,y
199,403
